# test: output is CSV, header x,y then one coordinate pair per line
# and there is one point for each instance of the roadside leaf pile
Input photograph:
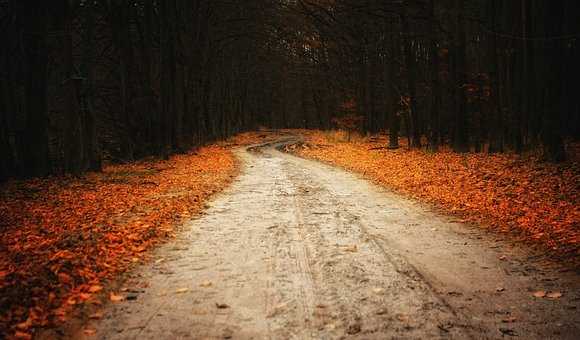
x,y
61,238
504,191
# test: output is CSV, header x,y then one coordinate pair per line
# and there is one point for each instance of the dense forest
x,y
83,81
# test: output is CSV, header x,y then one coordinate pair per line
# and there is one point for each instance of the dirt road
x,y
299,250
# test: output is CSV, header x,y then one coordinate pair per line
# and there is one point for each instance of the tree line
x,y
87,80
479,75
82,81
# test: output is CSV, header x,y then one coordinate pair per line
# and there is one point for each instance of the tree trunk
x,y
435,84
551,134
460,142
35,146
496,126
168,69
73,134
92,156
413,121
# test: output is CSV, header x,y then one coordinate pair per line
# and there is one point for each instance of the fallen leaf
x,y
354,328
22,335
222,305
116,298
25,325
182,290
96,316
131,296
95,288
381,311
352,249
444,327
539,294
90,331
508,331
84,296
64,278
554,295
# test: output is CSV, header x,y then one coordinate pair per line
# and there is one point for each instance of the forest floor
x,y
63,238
295,249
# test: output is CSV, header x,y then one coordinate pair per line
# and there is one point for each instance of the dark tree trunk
x,y
413,121
551,133
73,133
168,69
435,84
496,126
92,154
392,111
35,146
460,140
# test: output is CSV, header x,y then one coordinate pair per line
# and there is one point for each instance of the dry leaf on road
x,y
116,298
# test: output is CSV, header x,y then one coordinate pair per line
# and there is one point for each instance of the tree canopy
x,y
87,80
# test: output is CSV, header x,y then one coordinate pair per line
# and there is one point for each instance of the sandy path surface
x,y
299,250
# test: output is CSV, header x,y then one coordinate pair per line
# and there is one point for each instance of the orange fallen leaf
x,y
64,278
25,325
84,296
95,288
539,294
90,331
22,335
116,298
96,316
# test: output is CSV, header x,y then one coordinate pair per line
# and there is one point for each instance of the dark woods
x,y
83,80
479,75
87,80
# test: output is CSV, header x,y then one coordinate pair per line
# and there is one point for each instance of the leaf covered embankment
x,y
62,238
507,192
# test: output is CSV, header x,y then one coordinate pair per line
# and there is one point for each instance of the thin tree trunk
x,y
413,121
496,128
435,84
460,143
551,134
73,141
35,148
92,150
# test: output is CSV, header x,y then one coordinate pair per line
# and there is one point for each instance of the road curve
x,y
295,249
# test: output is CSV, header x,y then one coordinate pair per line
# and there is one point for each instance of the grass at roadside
x,y
63,238
540,201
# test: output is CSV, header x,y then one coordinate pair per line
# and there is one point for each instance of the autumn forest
x,y
439,138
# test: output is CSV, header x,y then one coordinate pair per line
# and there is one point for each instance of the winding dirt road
x,y
295,249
